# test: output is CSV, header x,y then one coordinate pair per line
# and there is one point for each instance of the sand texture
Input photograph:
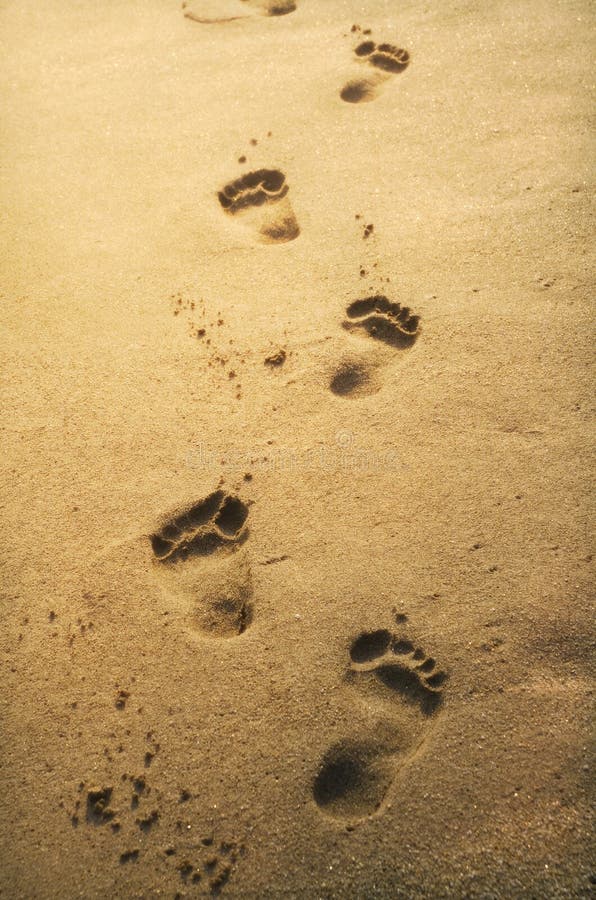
x,y
297,421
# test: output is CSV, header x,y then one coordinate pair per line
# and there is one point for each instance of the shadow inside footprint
x,y
354,378
353,779
408,684
224,607
370,645
355,775
262,194
217,522
384,60
383,320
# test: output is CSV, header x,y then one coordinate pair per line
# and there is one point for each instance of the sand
x,y
296,427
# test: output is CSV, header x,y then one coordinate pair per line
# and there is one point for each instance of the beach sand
x,y
296,427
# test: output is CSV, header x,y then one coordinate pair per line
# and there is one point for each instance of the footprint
x,y
384,60
388,323
213,11
215,523
206,580
356,774
262,198
354,377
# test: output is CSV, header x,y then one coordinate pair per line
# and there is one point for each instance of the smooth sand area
x,y
296,442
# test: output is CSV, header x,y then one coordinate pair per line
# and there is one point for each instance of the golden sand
x,y
296,431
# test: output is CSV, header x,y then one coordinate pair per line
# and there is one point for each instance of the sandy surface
x,y
361,668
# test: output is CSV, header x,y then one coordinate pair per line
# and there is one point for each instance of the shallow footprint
x,y
354,377
211,590
261,198
383,61
384,320
214,11
356,774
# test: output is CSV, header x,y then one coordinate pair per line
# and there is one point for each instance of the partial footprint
x,y
209,588
214,11
382,60
355,377
261,197
356,774
217,522
386,321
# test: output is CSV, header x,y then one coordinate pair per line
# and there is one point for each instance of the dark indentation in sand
x,y
217,522
253,189
386,58
227,615
383,320
276,359
352,379
428,664
437,680
389,58
409,684
370,645
356,92
98,809
352,780
231,517
355,775
365,48
281,9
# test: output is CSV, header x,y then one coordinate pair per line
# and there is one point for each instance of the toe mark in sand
x,y
217,522
263,193
383,320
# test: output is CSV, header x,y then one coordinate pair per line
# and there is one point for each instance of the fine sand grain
x,y
296,441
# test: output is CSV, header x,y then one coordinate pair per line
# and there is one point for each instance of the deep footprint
x,y
215,523
212,12
385,60
355,775
353,779
263,195
205,581
383,320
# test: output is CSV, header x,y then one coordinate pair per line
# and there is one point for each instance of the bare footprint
x,y
207,581
385,321
382,61
261,198
214,11
356,774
